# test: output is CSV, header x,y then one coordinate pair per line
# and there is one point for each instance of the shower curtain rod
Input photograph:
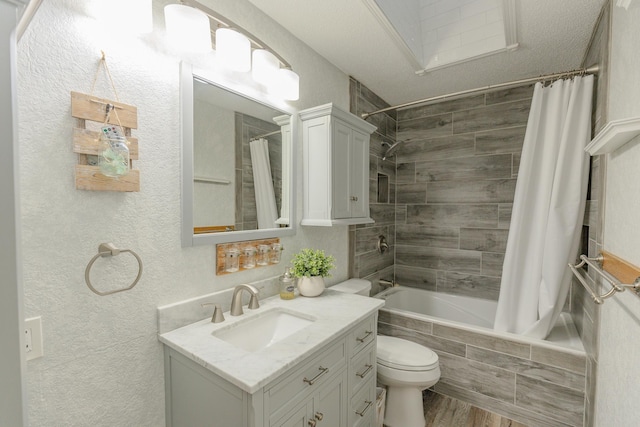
x,y
594,69
255,138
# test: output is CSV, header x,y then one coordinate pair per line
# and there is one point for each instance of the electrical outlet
x,y
33,337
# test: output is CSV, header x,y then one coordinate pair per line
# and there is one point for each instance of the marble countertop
x,y
333,313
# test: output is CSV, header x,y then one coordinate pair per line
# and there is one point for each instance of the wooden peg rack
x,y
86,142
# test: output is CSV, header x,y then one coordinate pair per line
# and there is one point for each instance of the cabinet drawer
x,y
362,335
363,368
306,379
362,407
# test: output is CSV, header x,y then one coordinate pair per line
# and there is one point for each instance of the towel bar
x,y
616,286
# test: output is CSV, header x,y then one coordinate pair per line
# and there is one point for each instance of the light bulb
x,y
233,49
187,28
265,66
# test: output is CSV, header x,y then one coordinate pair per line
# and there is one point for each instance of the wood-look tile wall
x,y
456,177
451,188
365,261
533,384
586,314
248,127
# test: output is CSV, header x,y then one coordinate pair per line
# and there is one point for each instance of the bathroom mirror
x,y
237,163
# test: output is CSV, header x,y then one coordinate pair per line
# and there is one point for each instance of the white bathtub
x,y
470,313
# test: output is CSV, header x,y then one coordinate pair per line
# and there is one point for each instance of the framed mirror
x,y
237,163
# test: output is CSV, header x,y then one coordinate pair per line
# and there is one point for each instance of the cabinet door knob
x,y
354,198
312,423
319,416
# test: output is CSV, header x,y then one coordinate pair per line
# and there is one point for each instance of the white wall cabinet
x,y
335,167
334,387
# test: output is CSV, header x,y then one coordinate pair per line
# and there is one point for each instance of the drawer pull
x,y
366,335
366,371
361,413
314,379
319,416
312,423
354,198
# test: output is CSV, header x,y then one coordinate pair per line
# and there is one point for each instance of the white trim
x,y
27,16
13,397
395,36
509,48
510,24
613,136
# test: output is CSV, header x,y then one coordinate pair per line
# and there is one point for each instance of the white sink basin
x,y
263,330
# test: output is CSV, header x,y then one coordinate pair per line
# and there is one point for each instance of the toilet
x,y
404,367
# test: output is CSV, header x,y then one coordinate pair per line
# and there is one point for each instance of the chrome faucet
x,y
236,299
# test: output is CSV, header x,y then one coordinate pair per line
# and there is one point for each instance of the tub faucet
x,y
387,283
236,299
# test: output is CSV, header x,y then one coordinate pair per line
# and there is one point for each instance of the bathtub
x,y
471,313
535,382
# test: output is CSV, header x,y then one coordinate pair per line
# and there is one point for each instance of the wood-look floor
x,y
443,411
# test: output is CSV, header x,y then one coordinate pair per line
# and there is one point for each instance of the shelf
x,y
614,135
211,180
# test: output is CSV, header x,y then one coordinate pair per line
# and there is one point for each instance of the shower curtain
x,y
263,184
548,208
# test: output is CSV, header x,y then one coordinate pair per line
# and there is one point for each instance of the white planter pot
x,y
311,286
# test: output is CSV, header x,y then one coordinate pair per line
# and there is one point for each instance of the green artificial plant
x,y
309,262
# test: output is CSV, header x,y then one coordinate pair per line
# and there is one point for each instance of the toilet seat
x,y
397,353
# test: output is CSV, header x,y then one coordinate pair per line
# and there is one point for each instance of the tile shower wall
x,y
248,127
365,261
586,314
451,184
456,176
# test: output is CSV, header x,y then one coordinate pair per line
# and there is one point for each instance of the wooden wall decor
x,y
86,142
222,248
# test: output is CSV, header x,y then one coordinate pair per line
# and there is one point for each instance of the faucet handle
x,y
217,316
253,302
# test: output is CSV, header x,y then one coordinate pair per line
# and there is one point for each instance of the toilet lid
x,y
406,355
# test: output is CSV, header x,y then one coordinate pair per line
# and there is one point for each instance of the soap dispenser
x,y
287,284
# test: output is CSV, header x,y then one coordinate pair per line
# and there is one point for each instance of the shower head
x,y
392,149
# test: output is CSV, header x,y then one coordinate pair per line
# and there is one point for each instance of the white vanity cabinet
x,y
362,373
333,387
335,167
327,407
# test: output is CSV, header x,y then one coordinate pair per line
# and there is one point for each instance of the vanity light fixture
x,y
265,66
188,28
233,49
289,84
236,47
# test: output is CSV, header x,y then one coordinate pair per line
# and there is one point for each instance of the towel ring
x,y
105,250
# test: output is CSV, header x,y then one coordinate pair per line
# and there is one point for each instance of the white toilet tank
x,y
354,286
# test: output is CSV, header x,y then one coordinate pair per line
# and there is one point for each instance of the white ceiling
x,y
552,35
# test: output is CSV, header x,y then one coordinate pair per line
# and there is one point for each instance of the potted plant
x,y
311,267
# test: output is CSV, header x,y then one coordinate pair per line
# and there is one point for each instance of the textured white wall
x,y
619,348
102,363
